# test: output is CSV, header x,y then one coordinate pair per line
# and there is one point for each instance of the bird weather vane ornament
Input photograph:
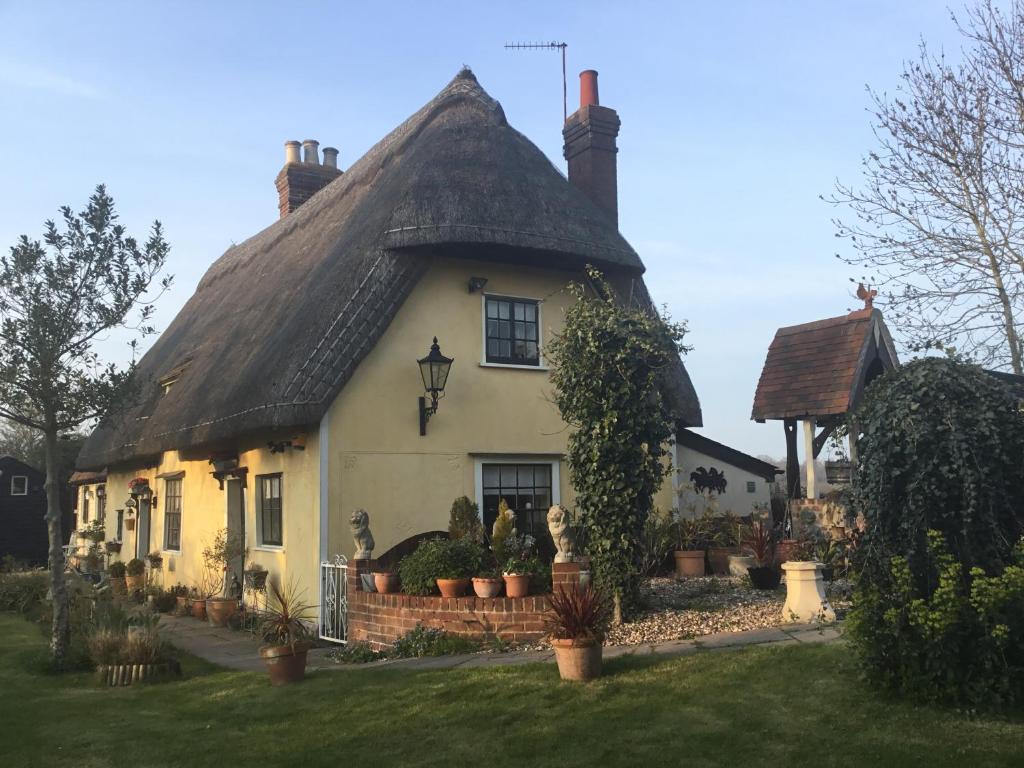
x,y
867,295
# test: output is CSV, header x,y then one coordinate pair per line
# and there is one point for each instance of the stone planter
x,y
805,593
483,587
386,583
578,660
452,587
118,586
517,584
285,663
689,563
126,674
219,610
740,564
135,582
199,609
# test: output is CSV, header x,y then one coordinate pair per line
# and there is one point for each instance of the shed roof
x,y
820,368
279,323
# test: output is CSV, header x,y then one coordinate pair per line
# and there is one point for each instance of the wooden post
x,y
809,424
792,460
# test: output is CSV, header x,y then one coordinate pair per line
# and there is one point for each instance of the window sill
x,y
170,551
517,367
268,548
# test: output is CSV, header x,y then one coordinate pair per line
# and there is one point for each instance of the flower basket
x,y
113,547
256,580
838,472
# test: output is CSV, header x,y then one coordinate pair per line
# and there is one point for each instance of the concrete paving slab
x,y
751,637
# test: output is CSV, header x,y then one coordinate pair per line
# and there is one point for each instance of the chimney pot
x,y
310,152
330,157
291,152
588,88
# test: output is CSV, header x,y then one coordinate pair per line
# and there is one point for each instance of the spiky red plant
x,y
577,613
758,542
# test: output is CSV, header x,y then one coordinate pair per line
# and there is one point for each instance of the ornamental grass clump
x,y
581,614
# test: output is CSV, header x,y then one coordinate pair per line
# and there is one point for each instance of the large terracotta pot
x,y
199,609
285,663
219,610
487,587
517,584
386,583
452,587
118,586
182,603
135,582
718,559
785,550
578,660
689,563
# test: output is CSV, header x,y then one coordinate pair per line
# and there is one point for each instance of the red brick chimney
x,y
301,178
590,148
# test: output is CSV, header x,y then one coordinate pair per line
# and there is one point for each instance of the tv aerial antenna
x,y
552,46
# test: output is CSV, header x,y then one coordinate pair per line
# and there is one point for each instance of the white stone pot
x,y
738,564
805,593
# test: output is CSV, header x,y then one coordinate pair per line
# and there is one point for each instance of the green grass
x,y
757,707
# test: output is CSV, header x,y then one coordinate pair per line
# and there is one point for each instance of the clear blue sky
x,y
735,118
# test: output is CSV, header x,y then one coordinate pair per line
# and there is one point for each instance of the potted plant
x,y
217,560
197,601
488,583
456,561
117,578
692,534
255,577
180,594
135,574
763,575
386,582
112,547
725,541
285,636
156,560
520,564
576,620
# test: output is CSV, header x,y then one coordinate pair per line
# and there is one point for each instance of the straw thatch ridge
x,y
280,322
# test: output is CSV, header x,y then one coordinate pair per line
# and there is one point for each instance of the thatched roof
x,y
280,322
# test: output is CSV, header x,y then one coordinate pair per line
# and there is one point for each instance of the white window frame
x,y
19,477
258,507
541,362
478,474
181,512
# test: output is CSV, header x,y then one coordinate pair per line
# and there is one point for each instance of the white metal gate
x,y
334,600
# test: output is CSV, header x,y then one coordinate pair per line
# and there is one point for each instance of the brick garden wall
x,y
381,619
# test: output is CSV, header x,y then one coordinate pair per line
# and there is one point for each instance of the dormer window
x,y
511,331
19,485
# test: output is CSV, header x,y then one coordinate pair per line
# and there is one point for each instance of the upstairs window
x,y
85,505
172,515
101,504
19,485
269,510
511,331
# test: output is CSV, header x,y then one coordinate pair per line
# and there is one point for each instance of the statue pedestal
x,y
805,594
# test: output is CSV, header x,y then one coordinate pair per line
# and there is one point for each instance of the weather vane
x,y
552,46
867,295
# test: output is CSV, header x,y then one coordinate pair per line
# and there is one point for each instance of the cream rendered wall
x,y
379,461
736,498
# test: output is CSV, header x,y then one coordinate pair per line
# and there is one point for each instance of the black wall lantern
x,y
434,370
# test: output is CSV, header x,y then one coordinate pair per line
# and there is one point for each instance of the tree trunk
x,y
617,608
60,637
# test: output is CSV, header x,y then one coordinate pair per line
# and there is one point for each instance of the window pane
x,y
505,349
531,332
525,476
542,476
520,330
519,311
492,348
492,308
503,310
490,475
531,351
508,477
531,312
504,329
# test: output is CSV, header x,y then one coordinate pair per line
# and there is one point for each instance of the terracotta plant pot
x,y
578,660
135,582
285,664
765,577
182,603
199,609
386,583
219,610
452,587
718,559
484,587
785,550
517,584
689,563
118,586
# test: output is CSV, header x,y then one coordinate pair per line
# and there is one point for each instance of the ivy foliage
x,y
940,485
609,361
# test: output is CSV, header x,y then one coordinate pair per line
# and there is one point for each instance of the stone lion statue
x,y
561,530
360,524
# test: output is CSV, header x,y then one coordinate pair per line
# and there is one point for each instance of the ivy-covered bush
x,y
940,486
610,363
439,559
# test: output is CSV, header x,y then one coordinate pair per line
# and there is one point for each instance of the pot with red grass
x,y
577,619
286,635
758,542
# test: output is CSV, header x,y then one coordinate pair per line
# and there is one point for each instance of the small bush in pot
x,y
440,564
117,578
135,574
286,635
577,619
692,535
488,583
520,565
758,542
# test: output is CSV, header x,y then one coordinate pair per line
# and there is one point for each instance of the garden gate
x,y
334,600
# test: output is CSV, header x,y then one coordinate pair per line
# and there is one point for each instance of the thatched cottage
x,y
287,391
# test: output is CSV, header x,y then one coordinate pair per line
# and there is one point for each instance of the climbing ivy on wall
x,y
608,363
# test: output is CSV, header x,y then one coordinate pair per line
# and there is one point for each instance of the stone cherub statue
x,y
360,524
562,533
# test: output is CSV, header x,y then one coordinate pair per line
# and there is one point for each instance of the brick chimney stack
x,y
590,147
303,177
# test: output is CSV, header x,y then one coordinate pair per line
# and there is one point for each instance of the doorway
x,y
236,529
142,529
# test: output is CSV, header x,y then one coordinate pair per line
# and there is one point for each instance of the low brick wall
x,y
381,619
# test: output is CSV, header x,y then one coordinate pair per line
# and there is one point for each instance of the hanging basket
x,y
838,472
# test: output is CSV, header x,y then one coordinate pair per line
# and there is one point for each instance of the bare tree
x,y
57,298
939,213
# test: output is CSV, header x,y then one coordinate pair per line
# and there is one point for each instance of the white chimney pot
x,y
291,152
311,152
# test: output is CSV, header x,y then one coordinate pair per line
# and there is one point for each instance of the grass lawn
x,y
792,706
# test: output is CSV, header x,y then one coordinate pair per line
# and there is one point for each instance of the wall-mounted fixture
x,y
434,370
477,284
298,443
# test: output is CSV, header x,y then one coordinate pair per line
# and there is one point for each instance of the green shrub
x,y
118,570
423,641
464,521
135,567
438,559
23,592
960,643
356,653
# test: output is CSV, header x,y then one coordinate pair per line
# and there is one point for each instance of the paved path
x,y
240,650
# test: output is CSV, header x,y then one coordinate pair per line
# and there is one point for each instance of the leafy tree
x,y
610,360
86,279
464,521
